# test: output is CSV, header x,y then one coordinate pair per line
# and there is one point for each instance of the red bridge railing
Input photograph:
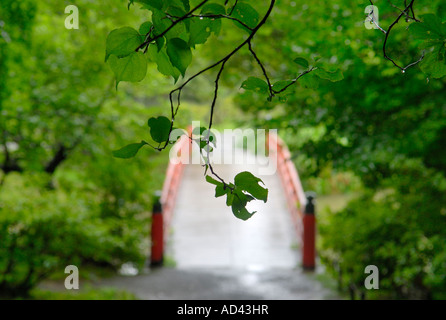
x,y
300,205
164,206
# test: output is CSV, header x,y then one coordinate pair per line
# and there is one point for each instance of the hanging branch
x,y
221,63
409,14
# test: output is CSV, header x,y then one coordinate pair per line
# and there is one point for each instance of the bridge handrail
x,y
172,181
298,204
288,174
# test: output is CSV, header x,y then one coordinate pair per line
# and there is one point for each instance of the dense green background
x,y
377,136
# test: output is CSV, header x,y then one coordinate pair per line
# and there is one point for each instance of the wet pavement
x,y
223,284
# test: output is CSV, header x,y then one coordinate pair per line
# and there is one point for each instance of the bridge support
x,y
309,234
157,234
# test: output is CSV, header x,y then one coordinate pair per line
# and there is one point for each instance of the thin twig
x,y
405,12
294,81
265,74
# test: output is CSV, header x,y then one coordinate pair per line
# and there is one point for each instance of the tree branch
x,y
294,81
408,8
265,74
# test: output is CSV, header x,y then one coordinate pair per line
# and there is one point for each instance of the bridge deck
x,y
207,234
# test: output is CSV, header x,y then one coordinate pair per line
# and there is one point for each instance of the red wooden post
x,y
157,234
309,235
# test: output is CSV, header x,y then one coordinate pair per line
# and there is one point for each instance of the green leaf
x,y
130,68
159,128
186,4
247,182
279,85
309,80
129,151
183,4
160,43
154,4
327,75
436,27
213,8
161,23
176,134
434,62
204,145
213,181
122,42
247,14
163,63
179,54
198,131
220,190
255,84
145,28
176,11
229,199
239,202
200,30
302,62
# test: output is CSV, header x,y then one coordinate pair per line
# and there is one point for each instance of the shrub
x,y
43,230
399,229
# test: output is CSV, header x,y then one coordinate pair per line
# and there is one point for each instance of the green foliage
x,y
122,42
130,68
48,230
255,84
245,188
159,129
173,41
398,229
247,14
63,198
129,151
371,125
302,62
433,32
179,54
89,294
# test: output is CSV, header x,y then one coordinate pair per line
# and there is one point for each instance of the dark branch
x,y
59,157
403,13
265,74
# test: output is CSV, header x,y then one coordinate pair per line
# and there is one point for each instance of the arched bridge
x,y
208,253
205,233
